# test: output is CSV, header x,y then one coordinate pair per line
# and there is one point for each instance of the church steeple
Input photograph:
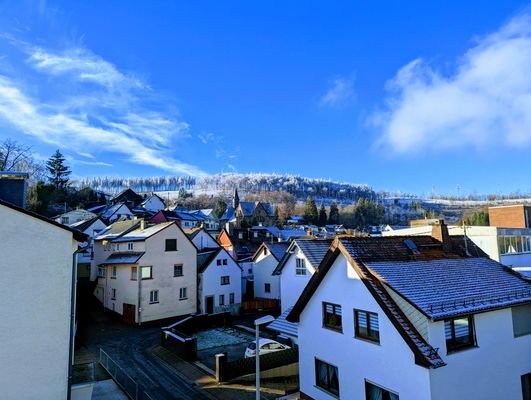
x,y
235,199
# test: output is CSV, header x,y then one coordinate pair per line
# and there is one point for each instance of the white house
x,y
90,227
153,203
38,296
112,212
202,239
219,282
150,273
416,319
74,216
299,263
266,259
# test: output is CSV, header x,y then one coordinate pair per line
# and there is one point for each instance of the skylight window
x,y
411,246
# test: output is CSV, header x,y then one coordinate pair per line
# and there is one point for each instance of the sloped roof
x,y
268,209
277,249
85,224
247,208
282,325
128,257
151,196
313,249
118,228
79,236
229,214
111,210
143,234
447,288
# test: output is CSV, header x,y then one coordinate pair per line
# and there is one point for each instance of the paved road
x,y
129,347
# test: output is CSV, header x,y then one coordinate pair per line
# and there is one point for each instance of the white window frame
x,y
300,267
183,293
154,296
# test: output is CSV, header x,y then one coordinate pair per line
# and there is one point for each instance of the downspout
x,y
72,320
139,308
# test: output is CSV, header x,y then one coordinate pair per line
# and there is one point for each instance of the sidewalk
x,y
207,382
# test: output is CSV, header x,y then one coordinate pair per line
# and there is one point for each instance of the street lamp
x,y
257,322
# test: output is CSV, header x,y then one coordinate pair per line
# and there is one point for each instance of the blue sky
x,y
414,97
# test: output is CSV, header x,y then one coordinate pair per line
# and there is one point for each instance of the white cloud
x,y
342,89
485,102
209,137
90,107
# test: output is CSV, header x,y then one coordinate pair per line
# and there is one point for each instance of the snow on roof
x,y
247,208
143,234
123,258
117,228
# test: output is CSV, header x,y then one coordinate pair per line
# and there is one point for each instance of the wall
x,y
510,216
203,240
211,284
291,285
419,320
36,263
490,371
264,265
389,364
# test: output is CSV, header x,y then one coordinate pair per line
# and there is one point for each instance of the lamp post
x,y
257,322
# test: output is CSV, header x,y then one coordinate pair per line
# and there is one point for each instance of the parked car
x,y
266,346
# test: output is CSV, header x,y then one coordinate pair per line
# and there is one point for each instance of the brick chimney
x,y
439,231
13,187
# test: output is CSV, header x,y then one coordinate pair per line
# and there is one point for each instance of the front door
x,y
129,313
209,304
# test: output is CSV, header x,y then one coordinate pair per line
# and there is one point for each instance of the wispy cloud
x,y
209,137
87,105
341,90
484,102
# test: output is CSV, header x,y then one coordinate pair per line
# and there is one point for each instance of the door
x,y
129,313
209,304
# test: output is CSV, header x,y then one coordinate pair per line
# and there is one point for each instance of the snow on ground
x,y
221,337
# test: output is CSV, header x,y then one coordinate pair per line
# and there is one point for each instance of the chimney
x,y
439,230
13,187
142,224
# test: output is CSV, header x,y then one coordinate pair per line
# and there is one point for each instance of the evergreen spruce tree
x,y
322,215
220,208
58,171
333,214
310,212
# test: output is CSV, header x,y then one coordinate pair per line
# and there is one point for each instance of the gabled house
x,y
38,262
153,203
265,260
74,216
90,227
219,282
250,213
202,239
148,273
127,196
112,213
422,317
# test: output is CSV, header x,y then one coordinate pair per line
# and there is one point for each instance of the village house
x,y
74,216
153,203
148,273
413,318
219,276
90,227
244,214
38,258
265,260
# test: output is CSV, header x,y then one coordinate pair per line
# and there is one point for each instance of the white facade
x,y
71,217
36,262
213,286
266,285
153,203
84,259
490,371
293,280
175,295
203,240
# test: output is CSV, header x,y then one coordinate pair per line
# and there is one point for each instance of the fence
x,y
259,304
130,387
228,370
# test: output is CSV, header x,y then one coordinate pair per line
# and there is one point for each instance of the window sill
x,y
178,276
134,279
329,328
368,340
153,302
335,396
113,277
184,298
146,279
461,349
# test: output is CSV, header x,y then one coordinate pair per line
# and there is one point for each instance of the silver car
x,y
266,346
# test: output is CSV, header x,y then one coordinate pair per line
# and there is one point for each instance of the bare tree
x,y
19,158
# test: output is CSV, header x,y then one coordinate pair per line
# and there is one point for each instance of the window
x,y
300,267
154,296
171,244
373,392
178,270
459,333
183,295
526,386
231,298
101,272
65,220
326,377
221,299
366,325
113,294
225,280
267,287
146,272
133,273
224,261
521,320
240,235
218,262
130,246
332,316
266,252
113,272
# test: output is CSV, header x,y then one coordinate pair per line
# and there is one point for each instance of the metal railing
x,y
129,386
